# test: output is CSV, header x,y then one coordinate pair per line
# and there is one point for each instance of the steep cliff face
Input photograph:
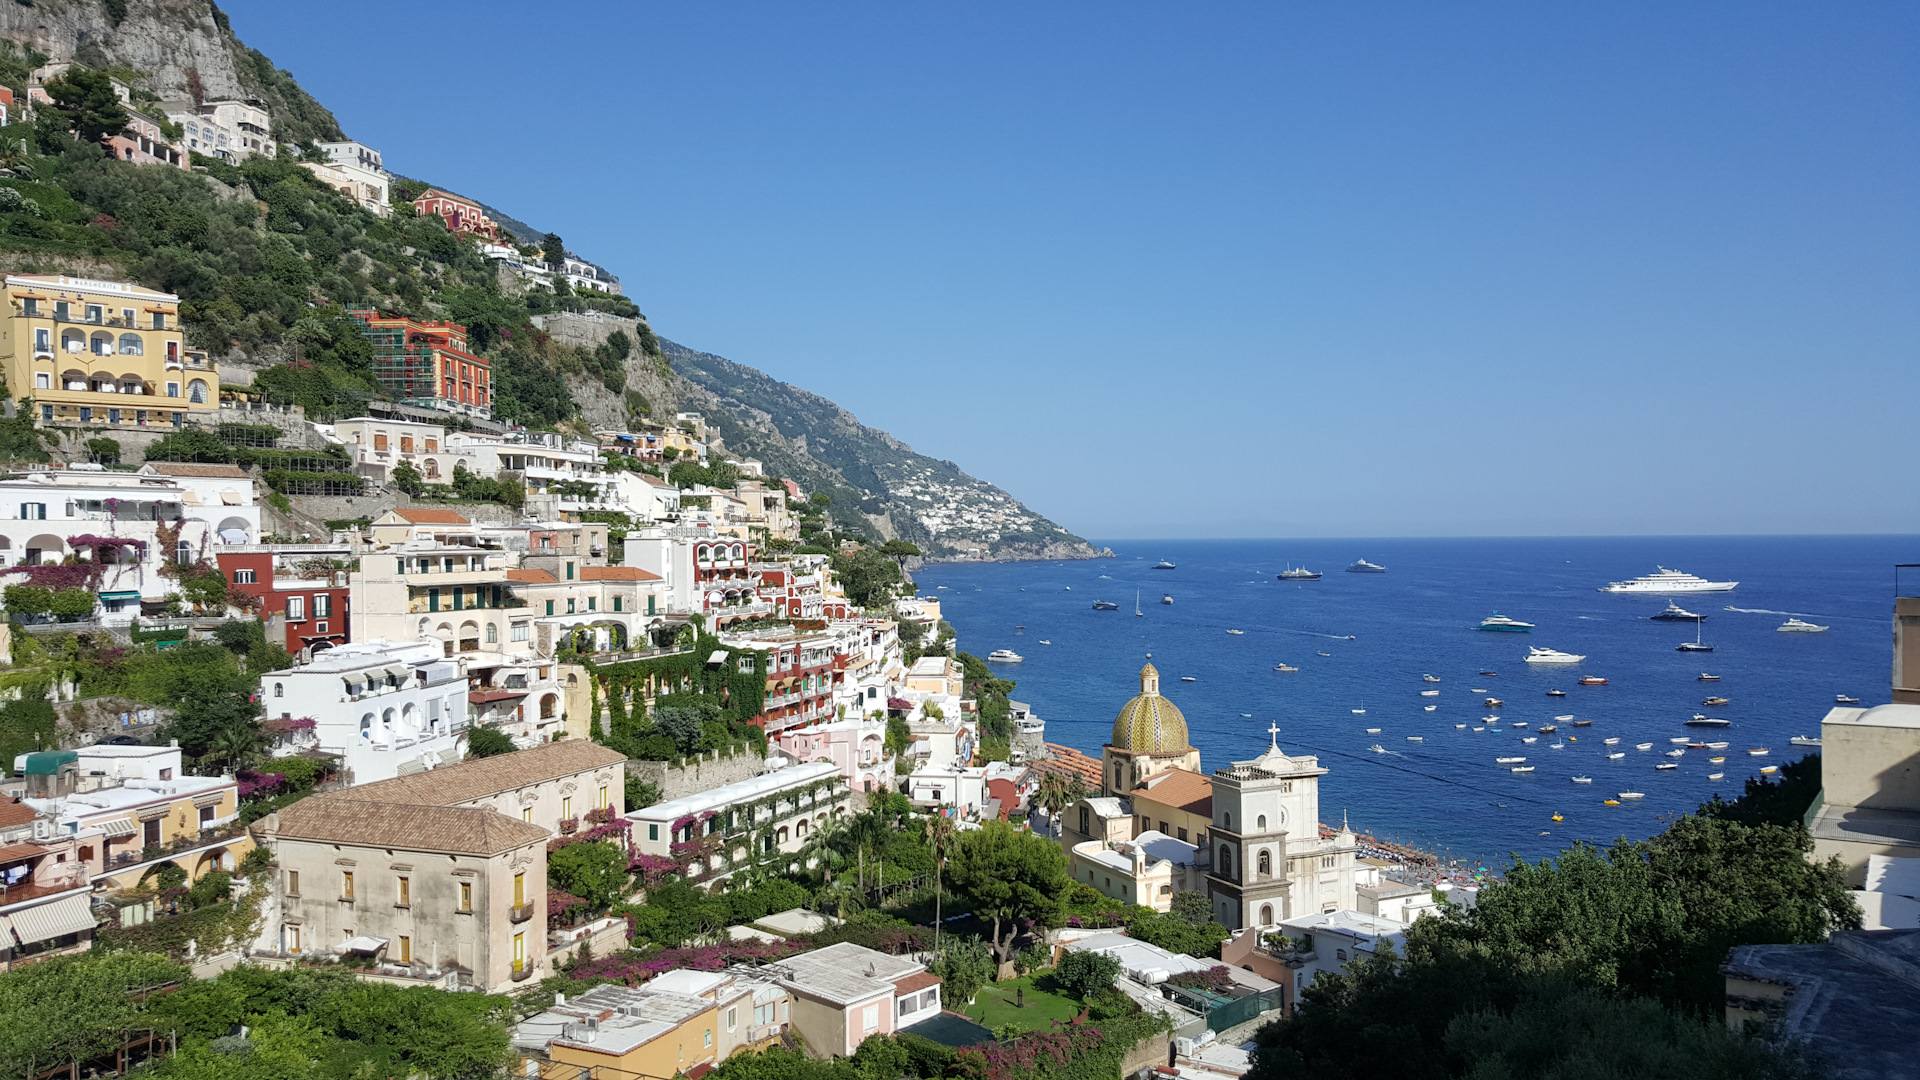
x,y
184,49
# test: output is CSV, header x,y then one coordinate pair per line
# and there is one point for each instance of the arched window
x,y
1226,820
1340,954
366,726
131,345
1086,823
493,634
1266,863
1263,823
279,689
1266,914
102,343
1226,861
783,834
197,391
73,340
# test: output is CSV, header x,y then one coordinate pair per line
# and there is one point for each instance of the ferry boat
x,y
1005,656
1164,565
1663,580
1538,655
1802,740
1842,699
1704,677
1105,605
1676,613
1497,621
1365,567
1556,693
1299,573
1796,626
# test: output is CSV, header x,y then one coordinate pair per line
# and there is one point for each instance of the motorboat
x,y
1716,746
1430,678
1299,573
1236,632
1665,766
1416,738
1842,699
1769,770
1643,746
1323,654
1716,775
1508,760
1373,731
1632,795
1166,598
1377,748
1497,621
1285,667
1044,641
1005,656
1583,779
1708,721
1489,673
1583,723
1563,718
1616,755
1430,708
1678,751
1365,567
1548,729
1556,693
1531,739
1760,751
1610,802
1663,580
1682,740
1615,741
1516,723
1164,565
1105,605
1675,613
1460,727
1429,693
1704,677
1718,760
1480,729
1359,712
1494,703
1188,678
1712,701
1796,626
1557,746
1137,613
1802,740
1553,656
1523,768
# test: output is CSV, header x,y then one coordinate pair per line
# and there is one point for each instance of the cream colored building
x,y
102,353
1146,870
1869,801
545,786
379,445
431,892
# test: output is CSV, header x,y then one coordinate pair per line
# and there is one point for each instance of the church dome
x,y
1150,724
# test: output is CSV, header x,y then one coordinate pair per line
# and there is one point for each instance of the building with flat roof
x,y
845,993
103,354
782,810
427,364
1869,801
1855,1001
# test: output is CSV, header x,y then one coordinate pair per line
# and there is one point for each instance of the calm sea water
x,y
1382,632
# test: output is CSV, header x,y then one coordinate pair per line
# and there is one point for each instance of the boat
x,y
1583,779
1769,769
1377,748
1516,723
1632,795
1796,626
1105,605
1707,721
1323,654
1675,613
1553,656
1564,717
1681,741
1285,667
1508,760
1696,645
1593,680
1497,621
1359,712
1716,775
1842,699
1531,739
1760,751
1704,677
1718,760
1556,693
1044,641
1236,632
1615,741
1489,673
1480,729
1460,727
1557,816
1373,731
1715,701
1299,573
1365,567
1164,565
1548,729
1663,580
1677,752
1429,693
1665,766
1188,678
1557,746
1643,746
1416,738
1494,703
1137,613
1523,768
1005,656
1610,802
1802,740
1167,598
1430,678
1430,708
1583,723
1716,746
1616,755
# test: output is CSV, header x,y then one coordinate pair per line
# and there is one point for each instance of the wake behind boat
x,y
1664,580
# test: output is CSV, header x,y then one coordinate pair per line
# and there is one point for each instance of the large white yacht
x,y
1668,581
1553,656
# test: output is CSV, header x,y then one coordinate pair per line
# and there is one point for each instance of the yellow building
x,y
102,353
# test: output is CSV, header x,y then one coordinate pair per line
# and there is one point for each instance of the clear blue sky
x,y
1236,270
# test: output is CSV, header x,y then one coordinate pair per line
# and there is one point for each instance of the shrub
x,y
1084,973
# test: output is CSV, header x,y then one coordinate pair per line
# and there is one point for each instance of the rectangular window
x,y
593,603
566,807
96,313
569,571
322,605
293,883
519,631
406,444
293,939
870,1018
616,603
459,598
296,607
600,801
126,315
433,599
650,604
519,951
526,814
62,310
403,892
520,886
159,320
569,605
173,389
320,627
346,884
733,1018
406,949
30,307
466,896
653,831
549,607
380,440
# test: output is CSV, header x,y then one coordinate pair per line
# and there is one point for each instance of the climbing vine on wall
x,y
628,685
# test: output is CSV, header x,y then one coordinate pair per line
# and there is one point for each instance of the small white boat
x,y
1717,760
1531,738
1236,631
1323,654
1716,746
1479,729
1802,740
1044,641
1632,795
1564,718
1611,742
1285,667
1458,727
1476,690
1431,678
1760,751
1508,760
1359,712
1377,748
1677,753
1416,738
1523,768
1429,693
1715,775
1373,731
1665,765
1557,746
1553,656
1681,741
1644,746
1005,656
1842,699
1188,678
1516,723
1583,779
1796,626
1616,755
1430,708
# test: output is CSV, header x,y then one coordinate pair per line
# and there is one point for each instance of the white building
x,y
1334,939
1268,861
380,445
250,124
781,810
581,274
646,497
386,709
561,474
1146,870
354,170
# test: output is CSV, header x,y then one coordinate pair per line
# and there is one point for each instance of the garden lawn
x,y
994,1006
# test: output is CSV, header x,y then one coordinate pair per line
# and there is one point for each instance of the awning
x,y
368,945
13,852
132,594
231,498
67,915
233,536
119,827
400,672
719,657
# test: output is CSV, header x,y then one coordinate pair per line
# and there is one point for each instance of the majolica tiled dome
x,y
1150,724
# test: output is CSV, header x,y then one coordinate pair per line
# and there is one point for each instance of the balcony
x,y
520,912
521,969
185,845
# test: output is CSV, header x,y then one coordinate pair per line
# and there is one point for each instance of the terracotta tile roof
x,y
422,516
13,812
335,819
915,982
617,573
15,852
531,576
1179,788
183,468
478,778
1065,759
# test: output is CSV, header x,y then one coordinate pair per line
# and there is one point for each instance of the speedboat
x,y
1377,748
1548,729
1842,699
1664,580
1676,613
1285,667
1044,641
1416,738
1461,727
1105,605
1430,678
1552,656
1583,779
1664,766
1236,631
1704,677
1508,760
1802,740
1531,739
1632,795
1494,703
1643,746
1299,573
1323,654
1188,678
1678,751
1480,729
1707,721
1556,693
1005,656
1365,567
1164,565
1715,701
1167,598
1497,621
1682,740
1796,626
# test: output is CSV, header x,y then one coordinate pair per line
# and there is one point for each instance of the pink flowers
x,y
696,958
259,785
1041,1053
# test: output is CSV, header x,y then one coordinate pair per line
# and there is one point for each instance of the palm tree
x,y
866,830
939,834
235,742
1059,790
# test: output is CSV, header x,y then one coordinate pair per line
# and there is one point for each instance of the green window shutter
x,y
649,603
569,571
616,603
433,599
549,607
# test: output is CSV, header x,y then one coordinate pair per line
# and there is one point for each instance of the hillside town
x,y
613,753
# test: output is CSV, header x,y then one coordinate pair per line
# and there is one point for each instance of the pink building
x,y
857,746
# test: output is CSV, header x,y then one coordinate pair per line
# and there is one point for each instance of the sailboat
x,y
1696,645
1137,613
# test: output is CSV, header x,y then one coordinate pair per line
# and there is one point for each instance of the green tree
x,y
236,742
1012,877
72,1008
965,964
28,599
1176,934
685,726
408,479
86,104
1084,974
487,741
939,833
553,250
900,551
1058,791
593,870
1192,907
104,450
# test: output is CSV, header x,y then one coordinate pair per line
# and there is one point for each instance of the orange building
x,y
461,215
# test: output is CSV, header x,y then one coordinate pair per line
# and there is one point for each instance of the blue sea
x,y
1382,632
